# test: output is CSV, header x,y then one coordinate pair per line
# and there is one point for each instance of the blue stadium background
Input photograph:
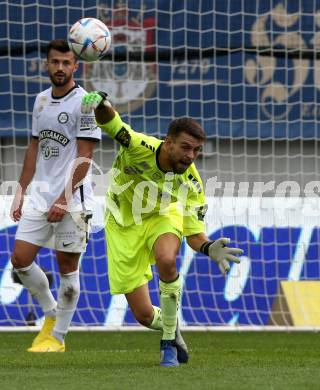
x,y
229,105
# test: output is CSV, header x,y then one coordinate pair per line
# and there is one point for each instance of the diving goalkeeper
x,y
155,200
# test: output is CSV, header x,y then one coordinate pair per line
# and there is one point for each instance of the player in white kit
x,y
58,163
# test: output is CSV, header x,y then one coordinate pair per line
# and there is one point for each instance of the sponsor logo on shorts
x,y
64,244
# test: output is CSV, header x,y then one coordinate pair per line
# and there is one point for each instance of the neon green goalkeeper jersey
x,y
140,189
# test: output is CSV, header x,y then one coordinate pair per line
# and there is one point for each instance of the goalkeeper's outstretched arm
x,y
98,101
216,250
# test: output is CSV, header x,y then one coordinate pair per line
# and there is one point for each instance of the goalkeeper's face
x,y
61,67
182,151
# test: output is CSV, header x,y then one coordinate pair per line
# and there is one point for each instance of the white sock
x,y
68,296
35,280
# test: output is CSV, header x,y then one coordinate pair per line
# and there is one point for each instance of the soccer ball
x,y
89,39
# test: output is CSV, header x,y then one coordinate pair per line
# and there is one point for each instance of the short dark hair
x,y
186,125
59,45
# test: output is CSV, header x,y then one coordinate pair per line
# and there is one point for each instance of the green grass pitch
x,y
130,360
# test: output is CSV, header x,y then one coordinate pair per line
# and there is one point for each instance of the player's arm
x,y
28,170
98,102
109,120
216,250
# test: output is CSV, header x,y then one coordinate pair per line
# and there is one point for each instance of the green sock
x,y
156,323
169,301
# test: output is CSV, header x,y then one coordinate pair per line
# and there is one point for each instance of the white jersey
x,y
58,123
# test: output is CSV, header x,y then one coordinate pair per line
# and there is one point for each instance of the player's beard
x,y
60,81
179,166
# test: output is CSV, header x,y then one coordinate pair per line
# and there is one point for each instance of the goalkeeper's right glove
x,y
221,254
93,100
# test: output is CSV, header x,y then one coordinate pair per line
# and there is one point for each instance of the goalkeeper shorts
x,y
130,250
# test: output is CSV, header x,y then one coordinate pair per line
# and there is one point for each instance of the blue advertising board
x,y
280,242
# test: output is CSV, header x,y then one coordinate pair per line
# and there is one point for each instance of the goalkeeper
x,y
155,199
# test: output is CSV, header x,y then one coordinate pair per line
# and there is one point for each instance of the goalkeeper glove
x,y
221,254
93,100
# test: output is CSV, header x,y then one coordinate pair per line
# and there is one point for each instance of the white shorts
x,y
69,235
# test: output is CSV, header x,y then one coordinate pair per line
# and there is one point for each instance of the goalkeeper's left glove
x,y
93,100
221,254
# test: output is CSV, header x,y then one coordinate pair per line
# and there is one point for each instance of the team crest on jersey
x,y
129,83
63,117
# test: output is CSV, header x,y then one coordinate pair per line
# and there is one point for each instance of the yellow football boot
x,y
50,344
45,331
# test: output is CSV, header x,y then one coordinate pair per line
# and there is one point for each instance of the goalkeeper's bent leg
x,y
182,349
169,300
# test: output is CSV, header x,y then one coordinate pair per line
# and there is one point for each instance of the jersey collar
x,y
157,158
61,97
